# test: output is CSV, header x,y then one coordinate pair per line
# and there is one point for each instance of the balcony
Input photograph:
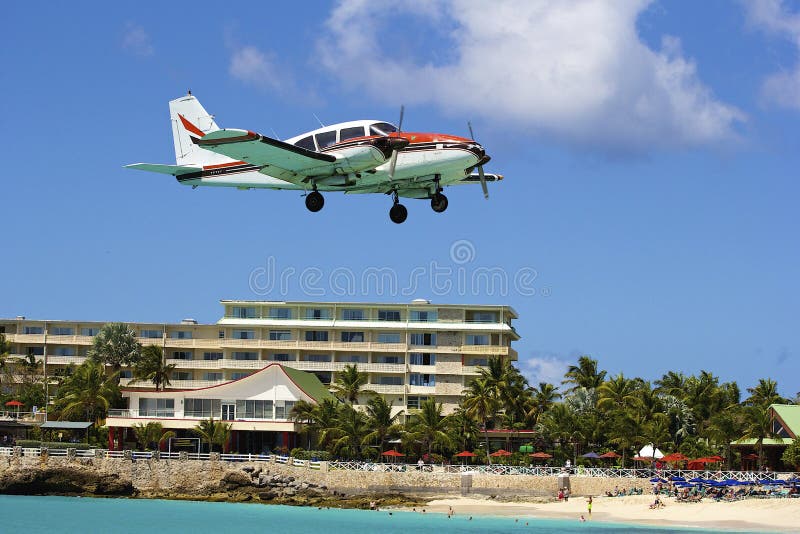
x,y
174,383
386,388
62,360
421,390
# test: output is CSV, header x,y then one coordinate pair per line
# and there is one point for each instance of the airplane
x,y
356,157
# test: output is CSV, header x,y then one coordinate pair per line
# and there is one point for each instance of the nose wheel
x,y
314,201
438,203
398,214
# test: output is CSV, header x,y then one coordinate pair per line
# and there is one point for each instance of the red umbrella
x,y
751,456
642,458
465,454
501,452
610,454
674,457
540,455
14,403
715,459
393,453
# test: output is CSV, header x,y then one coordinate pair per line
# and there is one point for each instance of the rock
x,y
235,479
248,469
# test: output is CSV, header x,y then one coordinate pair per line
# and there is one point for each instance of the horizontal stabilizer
x,y
174,170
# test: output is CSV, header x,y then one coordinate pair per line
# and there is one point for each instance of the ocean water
x,y
22,514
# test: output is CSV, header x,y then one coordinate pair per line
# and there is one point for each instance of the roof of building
x,y
767,442
66,425
308,382
789,415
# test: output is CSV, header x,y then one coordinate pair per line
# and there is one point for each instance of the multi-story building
x,y
409,351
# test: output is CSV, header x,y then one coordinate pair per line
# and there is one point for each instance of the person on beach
x,y
566,494
583,519
589,506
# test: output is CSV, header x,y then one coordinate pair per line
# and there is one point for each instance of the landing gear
x,y
438,203
314,201
398,214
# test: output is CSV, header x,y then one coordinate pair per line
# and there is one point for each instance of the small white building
x,y
257,407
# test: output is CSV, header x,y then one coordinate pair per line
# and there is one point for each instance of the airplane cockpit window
x,y
350,133
326,139
307,143
381,128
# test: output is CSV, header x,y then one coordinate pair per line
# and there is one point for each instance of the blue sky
x,y
650,152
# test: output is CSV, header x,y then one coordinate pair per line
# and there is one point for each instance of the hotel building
x,y
410,352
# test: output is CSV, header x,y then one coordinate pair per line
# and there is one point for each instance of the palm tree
x,y
116,346
543,397
464,429
350,431
152,367
5,350
152,433
618,394
584,375
672,383
303,412
758,426
87,393
481,403
429,427
349,382
726,426
381,421
213,432
764,394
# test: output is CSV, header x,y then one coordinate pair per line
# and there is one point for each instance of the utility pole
x,y
46,384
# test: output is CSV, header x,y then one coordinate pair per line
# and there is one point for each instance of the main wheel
x,y
398,213
315,201
439,202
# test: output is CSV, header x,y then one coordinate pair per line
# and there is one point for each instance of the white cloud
x,y
136,41
781,88
543,368
252,66
575,71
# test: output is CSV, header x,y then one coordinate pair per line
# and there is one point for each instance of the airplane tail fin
x,y
190,122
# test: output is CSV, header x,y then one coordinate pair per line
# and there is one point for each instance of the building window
x,y
33,330
423,339
244,334
318,313
182,355
214,377
353,358
477,339
254,409
390,359
390,380
414,401
281,358
245,355
151,334
237,376
212,355
35,351
478,361
316,335
280,313
202,408
352,315
352,337
387,337
423,316
419,379
241,312
62,331
180,334
481,317
126,373
388,315
280,335
64,351
318,358
221,334
149,407
91,332
422,358
324,376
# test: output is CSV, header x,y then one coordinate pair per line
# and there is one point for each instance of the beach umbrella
x,y
501,452
610,454
393,454
642,458
465,454
526,448
677,479
592,455
650,452
675,457
15,403
542,455
656,480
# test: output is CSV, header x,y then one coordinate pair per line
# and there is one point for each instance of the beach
x,y
773,515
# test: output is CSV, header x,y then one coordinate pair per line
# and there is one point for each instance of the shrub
x,y
302,454
33,444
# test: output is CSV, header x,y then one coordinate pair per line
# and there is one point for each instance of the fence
x,y
592,472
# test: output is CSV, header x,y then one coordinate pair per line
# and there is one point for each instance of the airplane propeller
x,y
399,146
480,167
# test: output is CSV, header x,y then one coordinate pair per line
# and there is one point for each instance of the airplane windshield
x,y
381,128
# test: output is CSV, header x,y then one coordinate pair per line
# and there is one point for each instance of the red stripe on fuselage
x,y
221,165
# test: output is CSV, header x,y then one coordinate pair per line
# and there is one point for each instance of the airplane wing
x,y
174,170
278,159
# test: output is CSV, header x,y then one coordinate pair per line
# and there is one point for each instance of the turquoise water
x,y
84,515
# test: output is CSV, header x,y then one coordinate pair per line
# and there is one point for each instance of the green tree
x,y
5,351
349,383
350,432
618,394
303,412
791,456
764,394
213,432
151,367
584,375
383,424
116,346
464,429
152,434
87,393
726,426
542,398
481,403
672,383
429,427
758,426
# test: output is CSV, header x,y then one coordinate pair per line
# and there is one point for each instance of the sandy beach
x,y
773,515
